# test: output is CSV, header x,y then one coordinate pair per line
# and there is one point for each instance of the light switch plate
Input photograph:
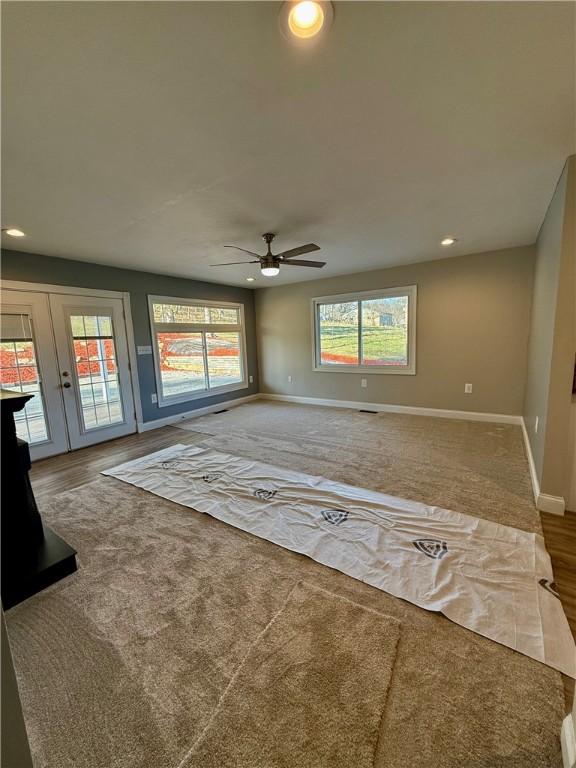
x,y
468,389
364,383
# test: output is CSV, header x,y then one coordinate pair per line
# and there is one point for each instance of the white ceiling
x,y
148,135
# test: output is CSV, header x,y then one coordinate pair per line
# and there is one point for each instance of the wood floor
x,y
68,471
560,536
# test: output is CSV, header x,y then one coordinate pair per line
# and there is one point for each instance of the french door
x,y
92,352
28,364
71,353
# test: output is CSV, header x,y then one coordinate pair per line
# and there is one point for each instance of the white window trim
x,y
407,290
197,327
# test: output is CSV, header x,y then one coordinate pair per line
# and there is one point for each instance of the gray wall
x,y
542,320
472,326
553,341
35,268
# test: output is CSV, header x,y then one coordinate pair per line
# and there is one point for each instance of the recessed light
x,y
14,232
250,279
448,241
270,271
305,19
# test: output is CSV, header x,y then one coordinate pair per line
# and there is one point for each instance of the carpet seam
x,y
234,677
271,623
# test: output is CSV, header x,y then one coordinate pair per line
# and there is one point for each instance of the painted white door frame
x,y
17,285
50,407
97,388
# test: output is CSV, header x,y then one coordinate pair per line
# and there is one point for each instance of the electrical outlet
x,y
467,389
289,379
251,379
154,397
364,383
536,426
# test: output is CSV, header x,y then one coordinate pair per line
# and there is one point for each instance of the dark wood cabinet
x,y
33,556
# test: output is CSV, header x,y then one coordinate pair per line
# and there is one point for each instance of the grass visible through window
x,y
369,332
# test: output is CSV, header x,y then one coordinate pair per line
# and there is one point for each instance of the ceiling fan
x,y
270,263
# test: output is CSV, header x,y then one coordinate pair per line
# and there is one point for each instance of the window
x,y
374,331
19,370
199,348
96,370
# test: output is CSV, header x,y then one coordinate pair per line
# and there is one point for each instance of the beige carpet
x,y
482,575
311,691
473,467
123,664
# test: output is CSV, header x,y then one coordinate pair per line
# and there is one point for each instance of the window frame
x,y
155,328
411,291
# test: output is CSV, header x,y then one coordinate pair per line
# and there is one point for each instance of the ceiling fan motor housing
x,y
268,260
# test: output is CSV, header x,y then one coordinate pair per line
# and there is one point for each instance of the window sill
x,y
164,402
371,369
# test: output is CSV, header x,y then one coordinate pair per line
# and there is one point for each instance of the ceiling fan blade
x,y
298,251
243,249
302,263
229,263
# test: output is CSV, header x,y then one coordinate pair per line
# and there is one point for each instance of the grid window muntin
x,y
100,400
31,422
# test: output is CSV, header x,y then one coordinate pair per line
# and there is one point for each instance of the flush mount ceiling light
x,y
13,232
448,240
302,21
250,279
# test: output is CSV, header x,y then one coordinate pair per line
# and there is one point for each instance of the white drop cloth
x,y
490,578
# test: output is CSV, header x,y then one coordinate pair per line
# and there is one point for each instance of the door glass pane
x,y
385,331
96,370
338,325
181,357
19,371
223,352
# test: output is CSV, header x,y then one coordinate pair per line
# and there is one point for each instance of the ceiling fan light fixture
x,y
270,271
269,262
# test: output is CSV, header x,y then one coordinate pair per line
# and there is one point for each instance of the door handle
x,y
67,385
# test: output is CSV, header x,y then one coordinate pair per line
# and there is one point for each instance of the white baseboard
x,y
544,501
531,465
497,418
568,741
555,505
167,420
